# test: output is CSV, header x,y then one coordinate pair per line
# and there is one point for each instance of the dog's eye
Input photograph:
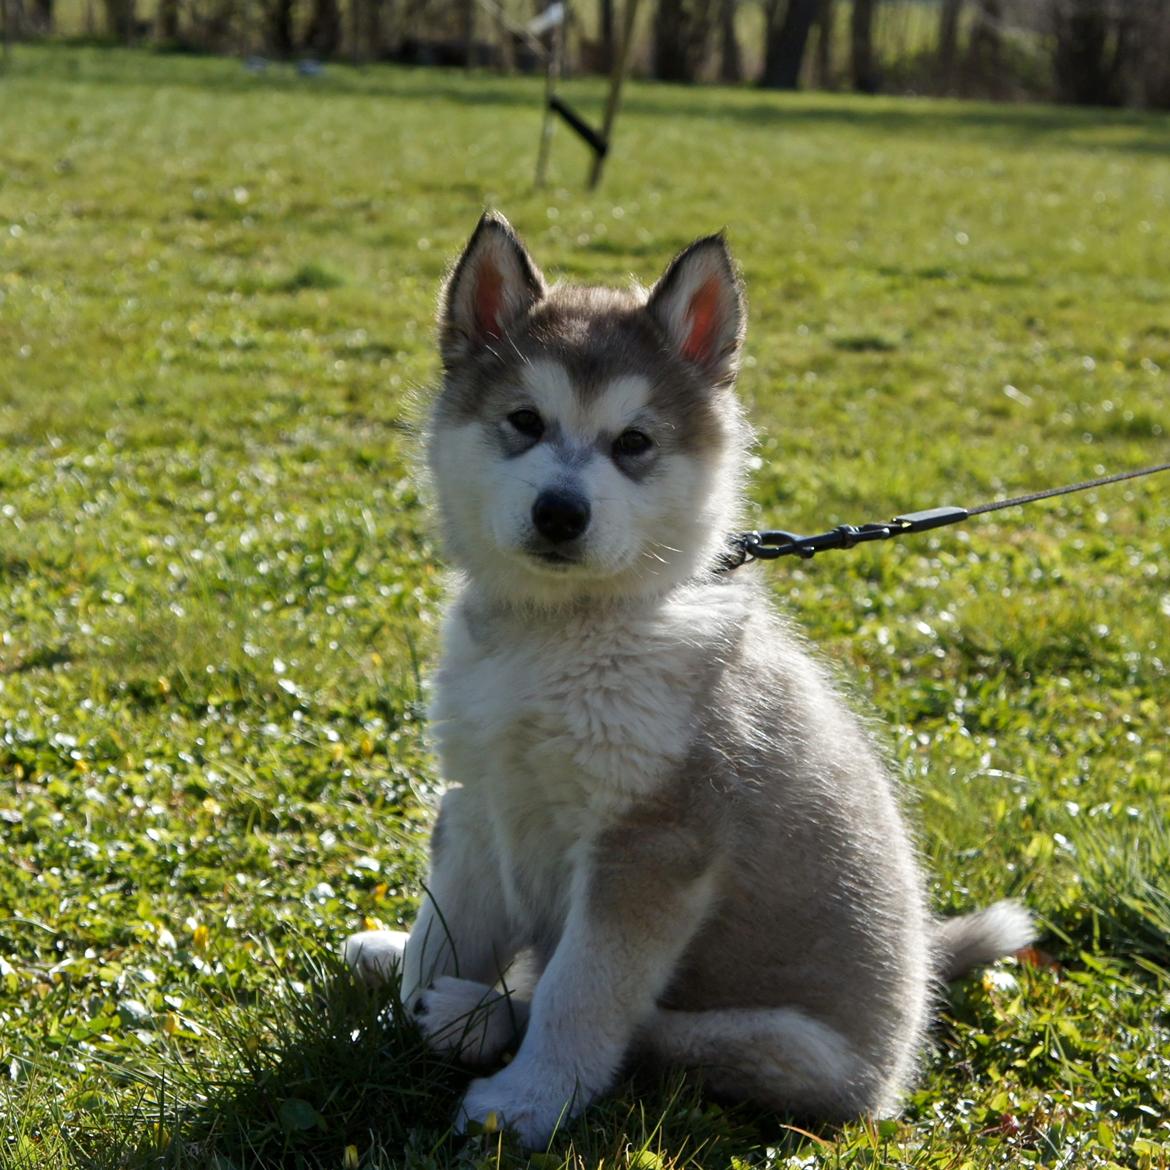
x,y
527,422
632,443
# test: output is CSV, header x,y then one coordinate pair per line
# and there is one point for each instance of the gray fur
x,y
657,793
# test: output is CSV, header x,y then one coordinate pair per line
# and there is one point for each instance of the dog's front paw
x,y
466,1019
532,1102
375,956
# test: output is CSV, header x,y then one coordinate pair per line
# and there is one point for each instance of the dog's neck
x,y
482,607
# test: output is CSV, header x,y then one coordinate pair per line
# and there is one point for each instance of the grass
x,y
219,584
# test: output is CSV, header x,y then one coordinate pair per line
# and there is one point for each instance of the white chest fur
x,y
555,726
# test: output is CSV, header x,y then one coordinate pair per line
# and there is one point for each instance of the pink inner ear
x,y
489,300
705,323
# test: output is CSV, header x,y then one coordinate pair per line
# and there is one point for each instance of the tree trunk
x,y
278,27
785,44
212,27
167,20
824,59
730,56
1152,59
605,47
468,15
985,52
120,20
42,16
371,32
866,77
682,34
948,39
670,58
324,34
1092,51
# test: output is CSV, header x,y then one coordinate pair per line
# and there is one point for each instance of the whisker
x,y
526,360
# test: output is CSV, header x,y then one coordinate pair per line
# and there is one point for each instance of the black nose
x,y
560,516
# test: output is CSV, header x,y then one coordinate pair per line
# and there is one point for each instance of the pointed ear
x,y
492,285
699,304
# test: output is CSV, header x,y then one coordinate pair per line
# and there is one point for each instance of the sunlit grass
x,y
219,581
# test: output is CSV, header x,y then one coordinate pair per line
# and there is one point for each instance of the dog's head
x,y
586,442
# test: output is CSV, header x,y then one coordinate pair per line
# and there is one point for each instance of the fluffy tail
x,y
974,940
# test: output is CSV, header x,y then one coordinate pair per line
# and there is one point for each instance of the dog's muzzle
x,y
560,516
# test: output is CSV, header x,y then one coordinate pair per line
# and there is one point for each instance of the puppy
x,y
655,794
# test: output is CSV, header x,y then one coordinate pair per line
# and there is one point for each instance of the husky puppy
x,y
654,792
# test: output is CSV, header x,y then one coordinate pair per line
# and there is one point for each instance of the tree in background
x,y
605,45
948,39
120,19
1099,52
785,40
863,61
730,56
682,38
167,21
823,73
1094,44
985,49
324,32
42,17
1151,58
278,27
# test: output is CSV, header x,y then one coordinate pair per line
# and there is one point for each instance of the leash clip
x,y
767,546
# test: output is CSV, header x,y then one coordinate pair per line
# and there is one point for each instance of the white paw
x,y
375,956
532,1102
466,1019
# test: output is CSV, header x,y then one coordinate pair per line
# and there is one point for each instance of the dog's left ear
x,y
699,304
493,284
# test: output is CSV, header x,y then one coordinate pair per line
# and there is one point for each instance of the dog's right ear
x,y
493,284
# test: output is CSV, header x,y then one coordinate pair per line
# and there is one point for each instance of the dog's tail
x,y
974,940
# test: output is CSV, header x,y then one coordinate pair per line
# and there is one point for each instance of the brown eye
x,y
631,443
527,422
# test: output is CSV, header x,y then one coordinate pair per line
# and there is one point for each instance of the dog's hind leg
x,y
782,1058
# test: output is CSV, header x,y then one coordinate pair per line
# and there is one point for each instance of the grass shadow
x,y
328,1074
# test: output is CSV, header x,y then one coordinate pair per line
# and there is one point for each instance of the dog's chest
x,y
600,709
558,731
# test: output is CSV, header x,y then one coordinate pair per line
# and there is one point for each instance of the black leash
x,y
767,546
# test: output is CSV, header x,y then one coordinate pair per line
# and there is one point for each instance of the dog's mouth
x,y
555,558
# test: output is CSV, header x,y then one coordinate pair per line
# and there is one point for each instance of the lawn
x,y
219,582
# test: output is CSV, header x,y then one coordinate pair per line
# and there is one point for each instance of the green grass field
x,y
218,584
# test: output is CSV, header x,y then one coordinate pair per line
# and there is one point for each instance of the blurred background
x,y
1090,52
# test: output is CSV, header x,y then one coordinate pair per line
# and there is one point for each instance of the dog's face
x,y
586,442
